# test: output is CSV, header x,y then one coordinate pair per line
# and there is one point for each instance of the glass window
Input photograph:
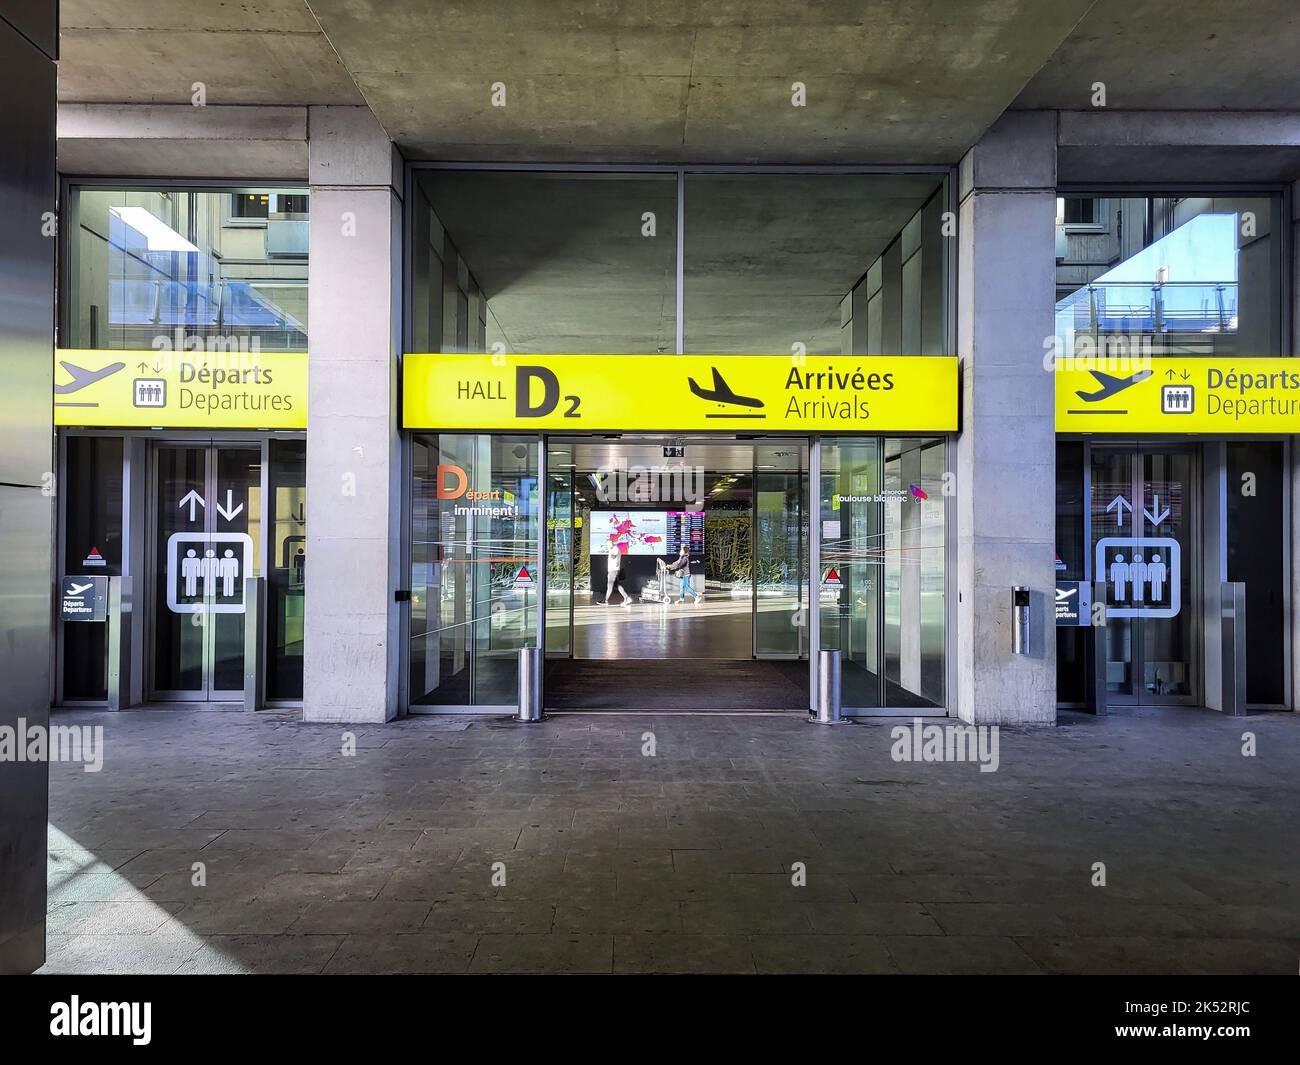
x,y
474,525
1152,276
544,263
179,268
1257,549
882,560
848,264
286,568
92,545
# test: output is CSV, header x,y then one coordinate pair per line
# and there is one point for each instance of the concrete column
x,y
352,636
1006,454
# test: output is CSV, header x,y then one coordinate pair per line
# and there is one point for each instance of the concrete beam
x,y
180,141
1177,146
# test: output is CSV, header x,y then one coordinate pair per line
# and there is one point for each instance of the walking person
x,y
613,564
681,568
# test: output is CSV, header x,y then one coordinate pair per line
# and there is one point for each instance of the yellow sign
x,y
181,389
1213,395
724,393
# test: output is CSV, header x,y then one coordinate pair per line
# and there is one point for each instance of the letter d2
x,y
524,376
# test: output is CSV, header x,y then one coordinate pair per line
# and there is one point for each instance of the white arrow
x,y
1156,519
229,510
191,497
1119,502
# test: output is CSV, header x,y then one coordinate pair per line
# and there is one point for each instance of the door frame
x,y
151,576
1193,599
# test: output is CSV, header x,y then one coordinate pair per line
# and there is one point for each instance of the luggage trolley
x,y
656,591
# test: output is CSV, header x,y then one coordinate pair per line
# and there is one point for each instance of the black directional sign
x,y
83,599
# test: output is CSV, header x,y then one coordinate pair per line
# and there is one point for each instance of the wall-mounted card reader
x,y
1019,620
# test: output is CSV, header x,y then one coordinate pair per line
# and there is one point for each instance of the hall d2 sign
x,y
725,393
1211,395
181,389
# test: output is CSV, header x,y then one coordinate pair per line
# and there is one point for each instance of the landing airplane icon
x,y
77,589
82,377
721,392
1111,385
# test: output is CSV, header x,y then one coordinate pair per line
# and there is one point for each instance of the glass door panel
x,y
179,618
1144,549
852,564
1111,509
1166,582
207,539
236,520
563,530
780,548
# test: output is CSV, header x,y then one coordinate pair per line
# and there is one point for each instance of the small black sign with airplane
x,y
83,599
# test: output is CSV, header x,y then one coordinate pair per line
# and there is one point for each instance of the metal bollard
x,y
828,689
530,685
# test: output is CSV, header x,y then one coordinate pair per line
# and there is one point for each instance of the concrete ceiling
x,y
1175,55
690,81
153,51
664,81
767,258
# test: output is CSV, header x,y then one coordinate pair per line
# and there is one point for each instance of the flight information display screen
x,y
686,527
647,532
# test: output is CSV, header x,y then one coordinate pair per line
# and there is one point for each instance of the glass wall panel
x,y
92,545
882,561
1257,491
1168,275
780,543
474,525
839,263
171,268
286,568
1071,641
544,263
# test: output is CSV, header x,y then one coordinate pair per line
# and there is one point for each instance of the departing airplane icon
x,y
81,377
77,589
1111,386
721,392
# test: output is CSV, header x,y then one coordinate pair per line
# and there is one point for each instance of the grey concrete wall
x,y
1006,457
28,189
352,649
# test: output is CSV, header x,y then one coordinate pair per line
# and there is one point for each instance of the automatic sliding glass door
x,y
207,505
1144,548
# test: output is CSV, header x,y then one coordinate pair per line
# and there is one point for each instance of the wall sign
x,y
83,599
1073,603
1213,395
181,389
727,393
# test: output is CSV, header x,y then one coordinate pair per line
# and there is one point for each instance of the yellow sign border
x,y
905,394
100,388
1209,396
